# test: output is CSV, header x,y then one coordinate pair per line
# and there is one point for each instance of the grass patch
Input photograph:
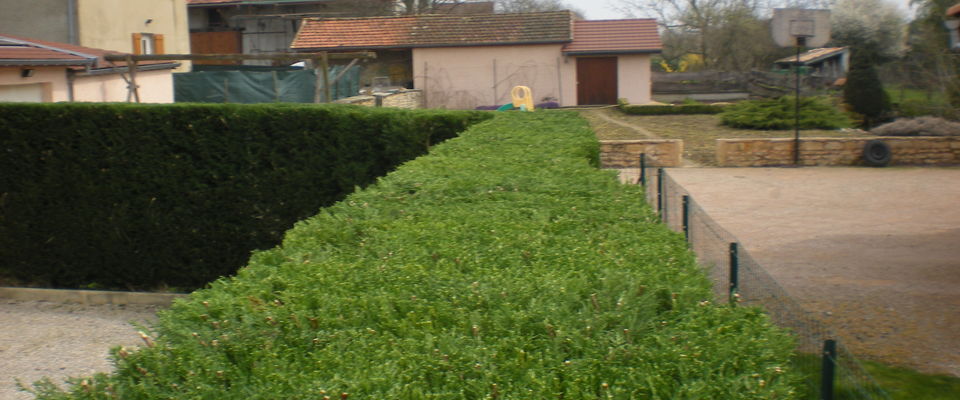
x,y
910,102
502,265
906,384
898,382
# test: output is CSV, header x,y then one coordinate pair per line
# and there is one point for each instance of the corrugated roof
x,y
614,37
813,55
434,31
20,51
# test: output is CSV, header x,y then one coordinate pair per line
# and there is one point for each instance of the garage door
x,y
22,93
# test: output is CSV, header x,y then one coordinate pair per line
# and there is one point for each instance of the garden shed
x,y
827,62
953,25
466,61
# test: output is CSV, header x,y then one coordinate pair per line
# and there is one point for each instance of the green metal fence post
x,y
734,274
686,218
829,370
660,205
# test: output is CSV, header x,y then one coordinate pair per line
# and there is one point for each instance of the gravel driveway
x,y
873,250
59,340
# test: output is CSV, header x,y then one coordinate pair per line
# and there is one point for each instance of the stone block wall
x,y
407,99
626,153
927,150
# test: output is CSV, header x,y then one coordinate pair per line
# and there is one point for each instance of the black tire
x,y
876,153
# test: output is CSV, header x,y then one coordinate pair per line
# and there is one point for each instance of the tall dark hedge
x,y
865,94
139,196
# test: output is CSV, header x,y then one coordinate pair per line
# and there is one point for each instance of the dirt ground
x,y
875,252
44,339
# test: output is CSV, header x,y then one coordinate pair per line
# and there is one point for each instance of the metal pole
x,y
660,205
494,102
828,372
734,274
686,218
796,112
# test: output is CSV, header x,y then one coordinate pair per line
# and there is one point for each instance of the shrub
x,y
815,113
134,196
502,265
923,126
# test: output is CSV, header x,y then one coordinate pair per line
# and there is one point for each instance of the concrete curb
x,y
89,297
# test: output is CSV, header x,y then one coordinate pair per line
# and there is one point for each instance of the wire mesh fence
x,y
739,278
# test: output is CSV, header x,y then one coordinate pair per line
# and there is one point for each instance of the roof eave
x,y
611,52
257,3
45,63
793,60
421,46
123,69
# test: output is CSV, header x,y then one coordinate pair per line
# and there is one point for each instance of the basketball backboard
x,y
789,24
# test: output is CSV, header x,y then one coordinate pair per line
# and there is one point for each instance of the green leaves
x,y
500,265
815,113
145,196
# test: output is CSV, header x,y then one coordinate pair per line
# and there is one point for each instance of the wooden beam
x,y
344,71
325,65
132,86
240,57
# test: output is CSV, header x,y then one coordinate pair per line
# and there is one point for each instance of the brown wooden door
x,y
224,42
597,80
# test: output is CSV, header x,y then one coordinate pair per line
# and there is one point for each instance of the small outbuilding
x,y
466,61
953,25
41,71
827,62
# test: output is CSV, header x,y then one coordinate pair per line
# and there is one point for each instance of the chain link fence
x,y
832,372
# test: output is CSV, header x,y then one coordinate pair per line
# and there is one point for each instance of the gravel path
x,y
55,340
873,250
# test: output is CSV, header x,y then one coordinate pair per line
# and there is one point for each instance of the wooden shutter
x,y
137,49
158,44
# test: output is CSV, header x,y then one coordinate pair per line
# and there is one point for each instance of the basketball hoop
x,y
800,28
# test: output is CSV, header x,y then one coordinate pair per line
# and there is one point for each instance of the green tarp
x,y
258,86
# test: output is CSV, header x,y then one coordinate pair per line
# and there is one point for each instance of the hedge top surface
x,y
502,265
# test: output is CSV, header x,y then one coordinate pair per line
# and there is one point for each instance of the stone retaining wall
x,y
408,99
926,150
626,153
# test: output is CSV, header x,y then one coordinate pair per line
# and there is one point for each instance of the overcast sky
x,y
603,9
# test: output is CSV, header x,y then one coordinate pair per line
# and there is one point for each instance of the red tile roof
x,y
20,51
434,31
206,2
201,3
618,36
954,11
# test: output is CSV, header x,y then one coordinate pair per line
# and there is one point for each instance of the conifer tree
x,y
864,92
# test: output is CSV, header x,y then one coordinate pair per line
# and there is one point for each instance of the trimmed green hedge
x,y
133,196
502,265
672,109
